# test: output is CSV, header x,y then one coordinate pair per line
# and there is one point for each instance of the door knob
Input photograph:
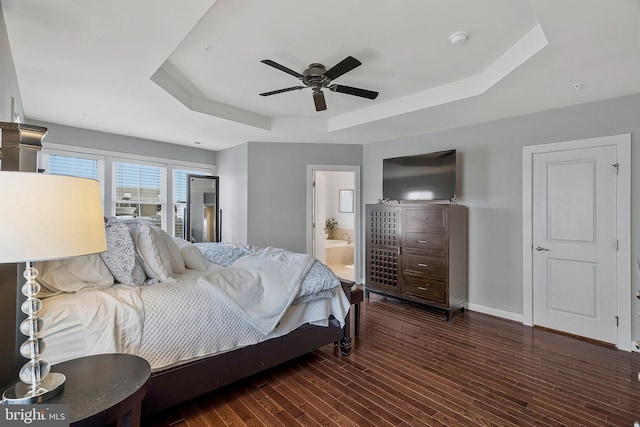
x,y
540,248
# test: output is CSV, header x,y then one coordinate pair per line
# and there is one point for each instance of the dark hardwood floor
x,y
411,368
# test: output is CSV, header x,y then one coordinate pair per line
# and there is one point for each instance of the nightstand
x,y
103,389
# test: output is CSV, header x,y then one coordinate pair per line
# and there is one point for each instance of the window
x,y
74,165
150,188
140,192
180,198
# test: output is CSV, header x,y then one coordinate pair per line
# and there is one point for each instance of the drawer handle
x,y
423,265
424,241
423,288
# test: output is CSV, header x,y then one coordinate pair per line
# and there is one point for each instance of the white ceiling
x,y
189,71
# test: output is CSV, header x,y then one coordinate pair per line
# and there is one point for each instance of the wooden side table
x,y
104,389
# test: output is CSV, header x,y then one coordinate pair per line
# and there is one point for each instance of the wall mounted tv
x,y
430,176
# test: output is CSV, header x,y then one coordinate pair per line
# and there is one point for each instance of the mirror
x,y
202,218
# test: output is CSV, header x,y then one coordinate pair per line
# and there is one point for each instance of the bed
x,y
202,316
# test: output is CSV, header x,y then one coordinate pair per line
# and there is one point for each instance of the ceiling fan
x,y
317,77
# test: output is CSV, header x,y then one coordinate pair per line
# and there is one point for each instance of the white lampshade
x,y
45,217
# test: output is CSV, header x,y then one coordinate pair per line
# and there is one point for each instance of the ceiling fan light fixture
x,y
315,70
318,77
459,37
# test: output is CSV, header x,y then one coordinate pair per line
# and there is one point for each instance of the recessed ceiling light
x,y
207,49
459,37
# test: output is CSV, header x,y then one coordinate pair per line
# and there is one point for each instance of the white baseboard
x,y
495,312
519,318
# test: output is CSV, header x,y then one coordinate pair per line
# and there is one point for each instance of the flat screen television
x,y
430,176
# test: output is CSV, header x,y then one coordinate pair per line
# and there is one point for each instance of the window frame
x,y
43,162
164,196
109,179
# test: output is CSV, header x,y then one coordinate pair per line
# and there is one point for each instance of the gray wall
x,y
232,170
491,175
68,135
277,190
337,181
8,79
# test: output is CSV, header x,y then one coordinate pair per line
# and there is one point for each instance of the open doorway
x,y
333,218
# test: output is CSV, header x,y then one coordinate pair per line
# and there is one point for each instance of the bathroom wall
x,y
336,181
337,256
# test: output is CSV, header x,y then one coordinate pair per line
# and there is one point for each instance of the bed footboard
x,y
172,386
345,341
184,382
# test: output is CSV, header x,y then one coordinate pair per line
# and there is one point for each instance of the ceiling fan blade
x,y
354,91
282,68
282,90
344,66
318,99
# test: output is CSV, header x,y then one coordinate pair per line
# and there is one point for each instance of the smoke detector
x,y
459,37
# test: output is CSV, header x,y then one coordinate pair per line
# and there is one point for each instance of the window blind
x,y
140,192
73,166
82,167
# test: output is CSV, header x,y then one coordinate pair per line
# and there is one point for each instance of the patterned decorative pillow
x,y
120,257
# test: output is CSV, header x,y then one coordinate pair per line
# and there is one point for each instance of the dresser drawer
x,y
432,217
424,288
425,241
430,266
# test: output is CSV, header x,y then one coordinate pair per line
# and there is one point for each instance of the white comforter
x,y
261,286
166,323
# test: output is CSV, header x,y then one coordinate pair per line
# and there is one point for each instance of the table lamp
x,y
44,217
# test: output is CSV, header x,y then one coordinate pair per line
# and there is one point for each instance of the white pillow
x,y
150,246
177,262
192,256
73,274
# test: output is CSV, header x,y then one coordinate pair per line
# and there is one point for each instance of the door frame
x,y
623,220
357,260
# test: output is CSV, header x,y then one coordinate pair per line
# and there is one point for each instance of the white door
x,y
574,242
319,195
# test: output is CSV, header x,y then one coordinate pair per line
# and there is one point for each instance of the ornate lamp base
x,y
22,394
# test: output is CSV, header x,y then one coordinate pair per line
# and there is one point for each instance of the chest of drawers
x,y
418,252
